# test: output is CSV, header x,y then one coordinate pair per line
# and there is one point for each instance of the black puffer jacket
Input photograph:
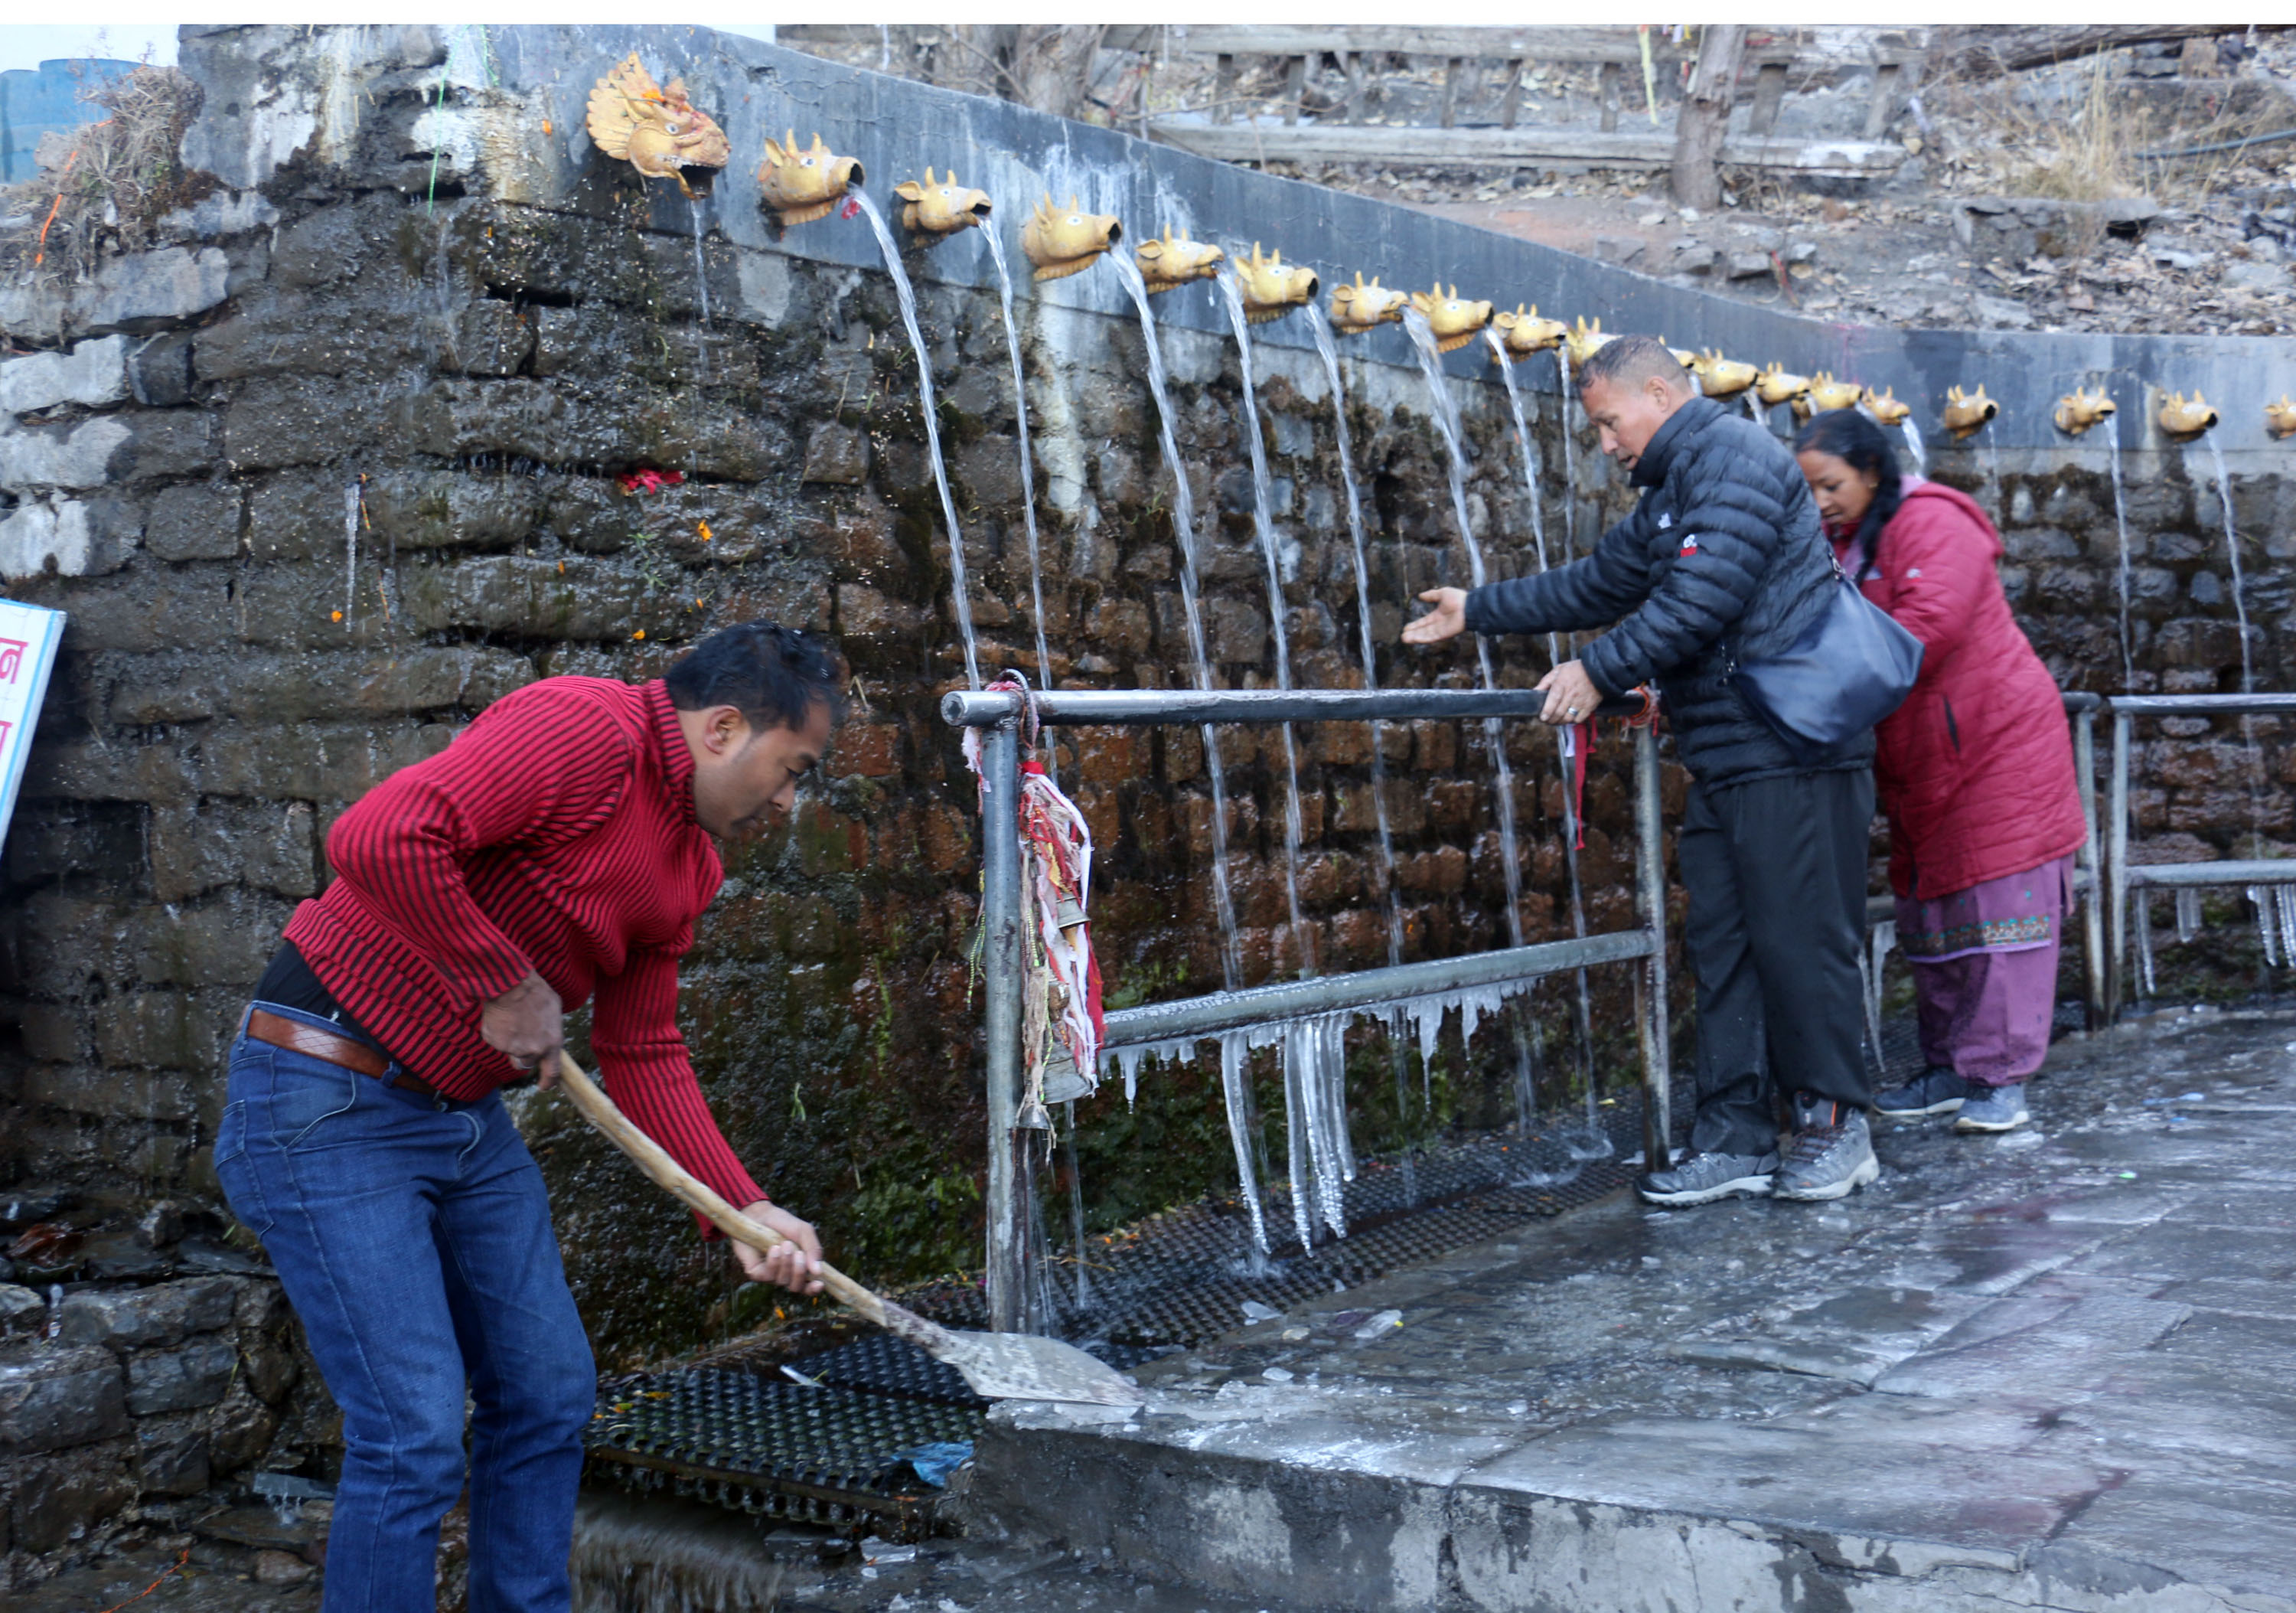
x,y
1722,557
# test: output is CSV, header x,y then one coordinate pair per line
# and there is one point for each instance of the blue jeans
x,y
413,1239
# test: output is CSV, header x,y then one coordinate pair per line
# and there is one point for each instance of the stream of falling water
x,y
907,296
1328,351
1398,1055
700,267
1564,738
1314,1064
1263,524
2254,753
1236,1078
1446,425
1570,457
2121,578
1027,460
1992,447
1914,446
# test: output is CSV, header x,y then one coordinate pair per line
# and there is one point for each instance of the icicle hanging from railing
x,y
2268,913
2188,914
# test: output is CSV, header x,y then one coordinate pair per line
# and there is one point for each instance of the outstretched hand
x,y
1448,620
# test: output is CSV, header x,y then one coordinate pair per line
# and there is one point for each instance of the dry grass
x,y
121,176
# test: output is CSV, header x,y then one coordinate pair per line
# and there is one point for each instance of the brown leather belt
x,y
312,1042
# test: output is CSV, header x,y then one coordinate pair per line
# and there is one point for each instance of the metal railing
x,y
2130,878
999,714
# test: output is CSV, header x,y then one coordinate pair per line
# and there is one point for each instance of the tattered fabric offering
x,y
1061,1015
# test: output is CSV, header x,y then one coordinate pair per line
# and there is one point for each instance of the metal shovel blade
x,y
1018,1366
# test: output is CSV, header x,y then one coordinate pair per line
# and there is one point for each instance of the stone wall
x,y
342,459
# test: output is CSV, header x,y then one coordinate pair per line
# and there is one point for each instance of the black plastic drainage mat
x,y
736,1430
784,1450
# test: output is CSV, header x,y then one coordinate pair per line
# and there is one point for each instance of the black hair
x,y
774,675
1628,359
1848,436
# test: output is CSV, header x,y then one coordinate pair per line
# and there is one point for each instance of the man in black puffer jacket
x,y
1723,558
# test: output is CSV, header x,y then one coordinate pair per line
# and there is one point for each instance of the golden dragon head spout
x,y
2280,418
941,207
1456,320
1966,413
1272,288
1173,259
1064,242
1583,341
1720,377
657,128
2181,418
2078,410
802,184
1826,393
1886,409
1359,307
1524,332
1775,386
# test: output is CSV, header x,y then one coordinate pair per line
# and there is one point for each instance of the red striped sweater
x,y
556,835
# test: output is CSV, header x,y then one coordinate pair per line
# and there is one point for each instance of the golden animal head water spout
x,y
1455,319
1272,288
656,128
1359,307
1583,341
1775,386
941,207
1966,413
2280,418
2181,418
1826,394
1174,260
803,184
2078,410
1886,409
1720,377
1525,333
1064,242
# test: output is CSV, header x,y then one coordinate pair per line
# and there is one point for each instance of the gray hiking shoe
x,y
1936,1091
1993,1109
1703,1178
1831,1155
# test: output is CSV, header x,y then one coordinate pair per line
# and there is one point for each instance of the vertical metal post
x,y
2116,863
2092,896
1001,969
1650,910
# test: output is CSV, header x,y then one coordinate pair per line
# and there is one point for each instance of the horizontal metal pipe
x,y
986,708
2082,700
1193,1017
2279,871
2202,706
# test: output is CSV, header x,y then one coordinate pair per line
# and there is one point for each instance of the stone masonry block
x,y
62,537
298,421
225,944
196,848
421,679
158,1030
70,456
440,509
838,454
51,1498
51,1397
135,1319
194,1374
105,1093
532,597
194,522
91,373
173,283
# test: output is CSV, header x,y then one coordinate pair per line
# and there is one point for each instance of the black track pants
x,y
1776,869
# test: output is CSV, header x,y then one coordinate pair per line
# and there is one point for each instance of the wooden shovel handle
x,y
650,1157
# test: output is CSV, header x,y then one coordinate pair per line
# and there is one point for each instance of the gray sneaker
x,y
1936,1091
1993,1109
1703,1178
1827,1160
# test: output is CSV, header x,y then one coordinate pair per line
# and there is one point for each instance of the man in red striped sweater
x,y
558,851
